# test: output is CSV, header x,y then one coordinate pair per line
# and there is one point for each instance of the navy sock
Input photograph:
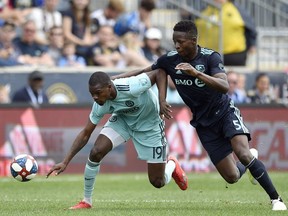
x,y
259,172
241,168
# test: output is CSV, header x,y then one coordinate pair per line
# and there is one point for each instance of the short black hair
x,y
186,26
99,77
260,75
35,75
147,5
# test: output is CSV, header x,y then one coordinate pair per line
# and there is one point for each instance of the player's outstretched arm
x,y
132,73
152,76
80,141
161,81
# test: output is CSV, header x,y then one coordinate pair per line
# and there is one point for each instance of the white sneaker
x,y
254,152
278,205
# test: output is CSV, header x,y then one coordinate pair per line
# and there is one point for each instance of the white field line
x,y
133,201
109,177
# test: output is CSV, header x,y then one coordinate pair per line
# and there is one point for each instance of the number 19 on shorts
x,y
159,152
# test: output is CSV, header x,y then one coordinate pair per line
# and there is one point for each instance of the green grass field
x,y
132,194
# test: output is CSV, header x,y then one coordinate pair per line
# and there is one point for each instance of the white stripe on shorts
x,y
115,137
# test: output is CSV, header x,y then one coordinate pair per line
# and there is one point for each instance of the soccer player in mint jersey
x,y
135,115
199,76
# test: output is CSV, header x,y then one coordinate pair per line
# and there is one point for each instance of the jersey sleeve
x,y
159,63
95,116
139,84
215,64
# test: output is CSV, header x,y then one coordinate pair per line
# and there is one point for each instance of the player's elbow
x,y
224,89
152,76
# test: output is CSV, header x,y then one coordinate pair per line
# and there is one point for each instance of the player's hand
x,y
187,68
165,110
60,167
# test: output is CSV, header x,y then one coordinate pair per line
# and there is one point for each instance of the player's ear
x,y
194,39
109,86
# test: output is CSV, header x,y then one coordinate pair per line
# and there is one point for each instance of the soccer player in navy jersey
x,y
199,76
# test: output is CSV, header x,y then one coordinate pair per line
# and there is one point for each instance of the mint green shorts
x,y
150,145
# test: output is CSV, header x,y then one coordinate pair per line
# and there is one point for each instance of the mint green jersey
x,y
135,103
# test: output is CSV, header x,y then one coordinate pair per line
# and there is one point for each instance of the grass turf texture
x,y
132,194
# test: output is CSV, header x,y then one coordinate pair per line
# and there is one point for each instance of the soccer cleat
x,y
254,152
179,175
81,205
278,205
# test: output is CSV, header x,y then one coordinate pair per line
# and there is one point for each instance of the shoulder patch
x,y
221,66
143,81
200,68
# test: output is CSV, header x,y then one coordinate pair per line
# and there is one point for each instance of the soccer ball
x,y
24,167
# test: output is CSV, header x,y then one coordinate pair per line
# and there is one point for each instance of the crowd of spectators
x,y
261,92
37,33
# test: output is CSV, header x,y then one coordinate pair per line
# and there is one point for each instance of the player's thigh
x,y
233,124
239,136
241,148
217,146
112,134
101,147
228,169
116,130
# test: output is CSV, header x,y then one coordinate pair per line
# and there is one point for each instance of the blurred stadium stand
x,y
271,18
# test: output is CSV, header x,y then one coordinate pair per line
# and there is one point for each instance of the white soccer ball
x,y
24,167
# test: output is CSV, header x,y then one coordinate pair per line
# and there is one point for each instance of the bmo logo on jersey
x,y
199,83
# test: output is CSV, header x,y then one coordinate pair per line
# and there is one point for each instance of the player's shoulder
x,y
206,51
127,83
208,54
169,56
122,84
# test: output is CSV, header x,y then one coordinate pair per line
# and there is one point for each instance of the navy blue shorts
x,y
216,138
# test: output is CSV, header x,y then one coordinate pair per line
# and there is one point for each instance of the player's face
x,y
263,84
36,84
100,93
185,44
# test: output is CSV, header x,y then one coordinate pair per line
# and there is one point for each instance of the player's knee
x,y
157,182
245,158
231,178
96,154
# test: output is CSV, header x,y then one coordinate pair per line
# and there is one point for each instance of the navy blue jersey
x,y
206,104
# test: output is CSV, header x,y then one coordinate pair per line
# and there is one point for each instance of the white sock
x,y
88,200
169,169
